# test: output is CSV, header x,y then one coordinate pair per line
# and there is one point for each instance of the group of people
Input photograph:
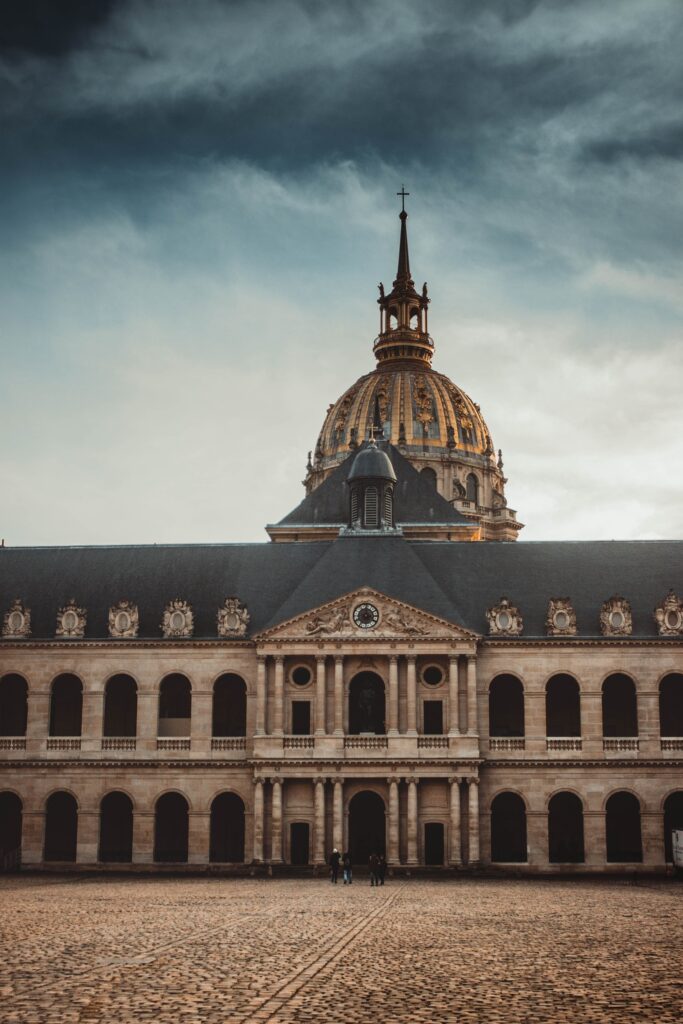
x,y
377,864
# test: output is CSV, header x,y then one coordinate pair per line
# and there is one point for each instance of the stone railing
x,y
506,743
620,743
432,741
119,743
64,743
366,742
298,742
563,743
228,743
173,743
12,743
671,743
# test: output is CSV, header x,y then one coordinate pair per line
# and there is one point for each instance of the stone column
x,y
258,821
338,815
199,837
411,696
32,835
261,696
412,821
279,694
473,856
455,839
472,712
276,829
393,846
339,695
453,697
319,822
320,695
143,837
393,695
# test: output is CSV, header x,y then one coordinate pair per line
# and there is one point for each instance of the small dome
x,y
372,463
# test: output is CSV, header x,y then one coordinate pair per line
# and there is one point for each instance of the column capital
x,y
393,658
259,780
392,781
455,778
471,658
338,781
319,780
411,658
320,659
473,780
261,658
275,780
339,659
278,659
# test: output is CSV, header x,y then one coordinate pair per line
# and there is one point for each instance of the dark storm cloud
x,y
659,142
49,27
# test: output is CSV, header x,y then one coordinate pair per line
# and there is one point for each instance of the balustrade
x,y
563,743
621,743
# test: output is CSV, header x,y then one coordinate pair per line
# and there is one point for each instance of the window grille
x,y
371,506
354,505
388,507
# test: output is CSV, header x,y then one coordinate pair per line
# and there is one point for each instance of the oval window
x,y
301,675
432,675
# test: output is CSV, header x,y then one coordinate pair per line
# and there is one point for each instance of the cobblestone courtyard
x,y
205,950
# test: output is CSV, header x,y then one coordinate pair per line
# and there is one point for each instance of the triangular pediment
x,y
353,616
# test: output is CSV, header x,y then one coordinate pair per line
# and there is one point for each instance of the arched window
x,y
61,828
175,706
472,488
171,827
429,475
673,819
506,706
120,706
10,831
366,704
13,705
116,829
622,827
229,706
562,706
619,710
671,705
565,829
227,829
66,706
508,829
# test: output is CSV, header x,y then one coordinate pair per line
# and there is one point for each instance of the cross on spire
x,y
403,195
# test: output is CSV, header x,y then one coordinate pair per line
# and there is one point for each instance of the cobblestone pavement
x,y
284,951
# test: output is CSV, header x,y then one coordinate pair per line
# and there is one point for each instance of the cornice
x,y
133,644
576,641
607,763
342,764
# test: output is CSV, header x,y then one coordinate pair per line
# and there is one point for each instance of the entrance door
x,y
434,845
299,842
366,827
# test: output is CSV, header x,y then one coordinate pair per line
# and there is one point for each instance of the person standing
x,y
348,868
381,868
334,865
373,864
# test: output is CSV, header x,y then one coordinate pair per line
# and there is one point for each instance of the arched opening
x,y
171,826
622,827
366,826
565,829
671,705
229,706
10,831
414,319
366,704
13,705
116,829
120,706
66,706
175,706
562,706
429,475
508,829
619,710
506,706
61,828
227,829
472,488
673,819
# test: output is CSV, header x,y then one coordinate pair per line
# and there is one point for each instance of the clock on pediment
x,y
365,615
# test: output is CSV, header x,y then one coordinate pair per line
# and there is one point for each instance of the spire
x,y
403,271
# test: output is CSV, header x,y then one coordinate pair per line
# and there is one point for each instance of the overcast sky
x,y
197,203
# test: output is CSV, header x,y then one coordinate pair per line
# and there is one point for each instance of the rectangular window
x,y
301,718
433,717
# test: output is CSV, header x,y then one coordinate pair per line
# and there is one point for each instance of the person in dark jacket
x,y
373,864
381,868
348,868
335,857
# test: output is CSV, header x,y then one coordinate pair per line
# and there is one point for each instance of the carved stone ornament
x,y
561,617
178,619
17,622
669,616
233,618
123,620
615,617
71,621
504,619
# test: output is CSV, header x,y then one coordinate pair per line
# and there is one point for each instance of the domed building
x,y
431,421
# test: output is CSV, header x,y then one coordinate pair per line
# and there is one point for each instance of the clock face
x,y
366,616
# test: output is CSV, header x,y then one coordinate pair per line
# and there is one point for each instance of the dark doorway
x,y
299,842
171,829
433,717
66,706
622,826
116,829
366,704
565,829
301,718
434,842
230,706
227,829
619,711
175,706
10,831
61,828
673,819
13,705
670,705
506,707
366,826
120,707
508,829
562,706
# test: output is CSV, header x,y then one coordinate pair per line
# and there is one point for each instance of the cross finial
x,y
403,195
